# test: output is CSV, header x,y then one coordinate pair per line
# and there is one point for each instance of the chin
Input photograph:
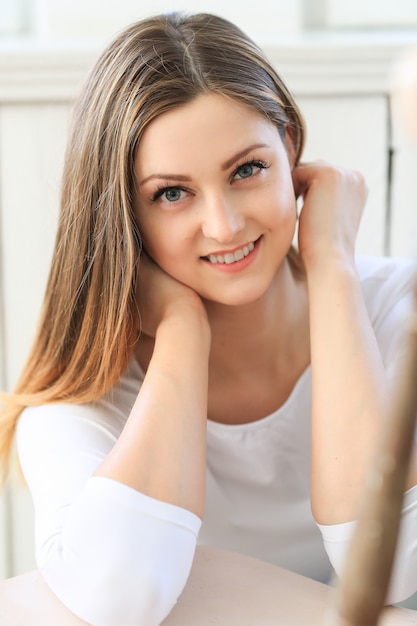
x,y
239,297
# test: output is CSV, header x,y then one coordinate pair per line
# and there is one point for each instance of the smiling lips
x,y
231,257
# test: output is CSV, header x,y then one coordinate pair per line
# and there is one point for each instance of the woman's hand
x,y
159,295
333,203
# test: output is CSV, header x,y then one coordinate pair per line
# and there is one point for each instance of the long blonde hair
x,y
88,322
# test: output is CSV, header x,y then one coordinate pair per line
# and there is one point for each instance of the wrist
x,y
330,264
188,317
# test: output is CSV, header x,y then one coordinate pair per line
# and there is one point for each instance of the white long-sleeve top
x,y
116,556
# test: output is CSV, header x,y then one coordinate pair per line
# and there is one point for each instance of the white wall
x,y
89,19
98,19
360,13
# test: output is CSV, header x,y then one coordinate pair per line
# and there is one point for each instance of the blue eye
x,y
173,194
246,170
169,194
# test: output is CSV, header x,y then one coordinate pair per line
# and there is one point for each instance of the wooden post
x,y
363,586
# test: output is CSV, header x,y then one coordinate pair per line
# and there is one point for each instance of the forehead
x,y
210,124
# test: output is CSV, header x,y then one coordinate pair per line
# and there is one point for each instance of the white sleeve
x,y
403,579
112,555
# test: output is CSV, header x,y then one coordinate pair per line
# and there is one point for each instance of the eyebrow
x,y
177,177
241,154
224,166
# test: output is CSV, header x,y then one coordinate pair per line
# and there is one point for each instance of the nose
x,y
222,220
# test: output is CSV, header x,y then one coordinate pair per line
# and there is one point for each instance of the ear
x,y
289,145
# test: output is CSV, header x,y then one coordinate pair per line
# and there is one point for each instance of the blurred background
x,y
338,57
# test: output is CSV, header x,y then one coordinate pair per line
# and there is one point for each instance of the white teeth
x,y
232,257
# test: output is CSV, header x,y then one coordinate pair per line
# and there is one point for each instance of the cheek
x,y
163,246
167,237
280,187
282,203
151,239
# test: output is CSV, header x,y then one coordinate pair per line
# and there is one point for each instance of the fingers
x,y
337,188
304,173
333,201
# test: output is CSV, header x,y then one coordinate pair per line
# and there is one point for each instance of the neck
x,y
263,334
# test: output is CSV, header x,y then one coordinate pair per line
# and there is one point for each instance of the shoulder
x,y
386,281
102,419
377,271
387,285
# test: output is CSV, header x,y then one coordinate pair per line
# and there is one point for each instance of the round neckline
x,y
246,426
213,426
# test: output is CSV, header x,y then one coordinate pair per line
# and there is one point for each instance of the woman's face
x,y
215,200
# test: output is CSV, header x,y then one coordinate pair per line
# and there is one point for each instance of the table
x,y
224,589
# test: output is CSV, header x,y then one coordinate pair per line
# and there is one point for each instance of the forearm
x,y
161,451
348,393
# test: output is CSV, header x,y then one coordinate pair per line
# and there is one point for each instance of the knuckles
x,y
322,174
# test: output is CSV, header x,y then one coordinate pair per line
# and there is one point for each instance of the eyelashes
x,y
248,169
171,192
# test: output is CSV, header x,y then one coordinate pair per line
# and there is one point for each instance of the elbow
x,y
403,581
108,596
401,590
122,557
142,599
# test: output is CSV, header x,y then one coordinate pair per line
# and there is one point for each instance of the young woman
x,y
194,377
